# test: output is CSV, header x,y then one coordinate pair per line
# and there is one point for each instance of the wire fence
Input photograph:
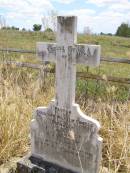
x,y
88,83
82,75
110,59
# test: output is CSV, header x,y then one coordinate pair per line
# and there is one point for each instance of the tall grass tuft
x,y
19,95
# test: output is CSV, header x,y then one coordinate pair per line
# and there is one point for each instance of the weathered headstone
x,y
61,134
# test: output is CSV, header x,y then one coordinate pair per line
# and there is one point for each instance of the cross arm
x,y
88,54
46,51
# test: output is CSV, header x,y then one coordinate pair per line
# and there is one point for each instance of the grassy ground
x,y
21,92
110,46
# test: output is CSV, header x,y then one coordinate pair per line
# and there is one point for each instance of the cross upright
x,y
66,54
61,133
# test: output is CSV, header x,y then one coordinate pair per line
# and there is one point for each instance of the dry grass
x,y
20,93
114,130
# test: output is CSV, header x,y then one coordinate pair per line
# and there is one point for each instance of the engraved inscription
x,y
65,139
82,54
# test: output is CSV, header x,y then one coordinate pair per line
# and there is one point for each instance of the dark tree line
x,y
36,27
9,28
123,30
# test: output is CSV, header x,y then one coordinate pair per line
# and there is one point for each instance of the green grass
x,y
111,46
22,40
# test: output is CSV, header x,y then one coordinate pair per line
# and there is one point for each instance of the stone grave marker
x,y
61,134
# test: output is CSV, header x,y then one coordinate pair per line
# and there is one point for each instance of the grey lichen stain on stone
x,y
66,23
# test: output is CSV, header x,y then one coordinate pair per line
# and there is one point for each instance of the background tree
x,y
49,20
14,28
48,30
23,29
10,28
123,30
2,21
109,34
87,30
37,27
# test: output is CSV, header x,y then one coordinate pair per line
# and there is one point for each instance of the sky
x,y
100,15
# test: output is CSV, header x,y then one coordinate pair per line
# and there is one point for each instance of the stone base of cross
x,y
62,135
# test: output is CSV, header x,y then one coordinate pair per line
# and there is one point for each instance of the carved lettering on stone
x,y
61,133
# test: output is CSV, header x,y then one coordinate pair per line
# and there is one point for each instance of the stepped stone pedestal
x,y
31,164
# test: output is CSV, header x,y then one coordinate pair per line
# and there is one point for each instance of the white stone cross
x,y
60,133
66,54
